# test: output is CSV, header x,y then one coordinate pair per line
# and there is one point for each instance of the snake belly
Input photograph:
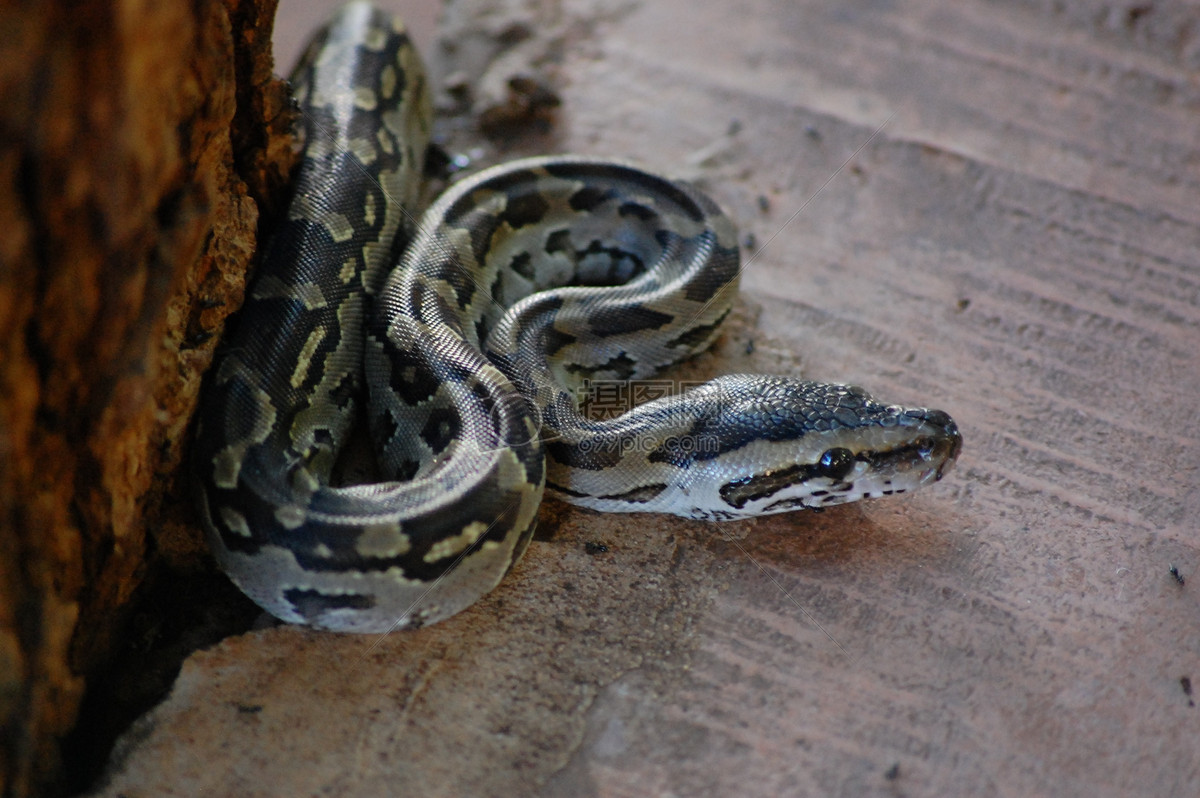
x,y
517,290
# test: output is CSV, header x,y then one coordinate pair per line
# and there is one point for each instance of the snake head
x,y
782,444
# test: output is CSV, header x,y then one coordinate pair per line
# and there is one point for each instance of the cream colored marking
x,y
369,209
448,547
382,540
387,81
235,521
385,141
363,150
226,466
290,516
397,190
271,287
365,98
317,148
339,226
305,358
375,39
304,481
326,56
375,257
348,270
323,551
264,416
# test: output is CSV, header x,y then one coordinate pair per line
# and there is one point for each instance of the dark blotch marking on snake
x,y
724,269
410,376
522,264
623,266
480,227
458,279
428,305
621,366
834,464
697,335
589,198
442,427
525,209
590,459
567,491
638,211
311,604
630,319
639,495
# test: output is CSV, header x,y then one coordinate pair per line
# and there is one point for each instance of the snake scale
x,y
517,289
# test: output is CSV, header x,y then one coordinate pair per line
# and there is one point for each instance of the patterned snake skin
x,y
520,287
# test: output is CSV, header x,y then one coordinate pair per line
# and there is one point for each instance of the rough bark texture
x,y
134,139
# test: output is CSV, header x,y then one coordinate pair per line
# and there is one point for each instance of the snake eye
x,y
835,463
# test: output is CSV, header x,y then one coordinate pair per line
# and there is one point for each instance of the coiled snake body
x,y
563,270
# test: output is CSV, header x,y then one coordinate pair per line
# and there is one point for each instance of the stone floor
x,y
989,208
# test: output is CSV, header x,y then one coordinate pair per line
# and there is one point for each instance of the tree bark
x,y
138,143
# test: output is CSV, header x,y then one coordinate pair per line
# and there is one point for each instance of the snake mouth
x,y
944,455
952,446
924,450
948,444
936,452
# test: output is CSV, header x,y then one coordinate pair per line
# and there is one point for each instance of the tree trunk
x,y
138,142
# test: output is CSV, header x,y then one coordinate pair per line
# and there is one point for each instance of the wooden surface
x,y
989,208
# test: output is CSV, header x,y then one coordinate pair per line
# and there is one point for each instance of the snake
x,y
461,345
